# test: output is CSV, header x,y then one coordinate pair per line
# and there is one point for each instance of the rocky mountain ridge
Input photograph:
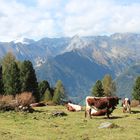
x,y
78,61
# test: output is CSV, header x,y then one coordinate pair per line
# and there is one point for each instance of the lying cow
x,y
97,106
37,104
73,107
126,105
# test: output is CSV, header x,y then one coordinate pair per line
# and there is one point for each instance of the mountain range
x,y
80,61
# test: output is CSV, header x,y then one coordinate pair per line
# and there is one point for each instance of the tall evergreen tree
x,y
136,89
97,89
108,85
1,83
11,79
59,93
42,87
28,79
10,73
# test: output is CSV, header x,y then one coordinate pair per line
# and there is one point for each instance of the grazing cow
x,y
126,105
97,106
73,107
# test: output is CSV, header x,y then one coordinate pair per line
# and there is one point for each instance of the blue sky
x,y
56,18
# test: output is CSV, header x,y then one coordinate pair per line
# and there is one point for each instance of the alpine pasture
x,y
41,125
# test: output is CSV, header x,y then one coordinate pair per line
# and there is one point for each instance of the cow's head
x,y
114,101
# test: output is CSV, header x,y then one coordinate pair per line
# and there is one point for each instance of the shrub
x,y
134,103
7,98
20,103
24,99
7,103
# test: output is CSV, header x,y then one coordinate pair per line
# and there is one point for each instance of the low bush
x,y
24,99
7,103
19,103
134,103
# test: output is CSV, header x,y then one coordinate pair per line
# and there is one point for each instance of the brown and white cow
x,y
73,107
97,106
126,105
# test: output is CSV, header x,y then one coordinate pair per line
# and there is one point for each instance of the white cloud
x,y
101,17
19,21
67,17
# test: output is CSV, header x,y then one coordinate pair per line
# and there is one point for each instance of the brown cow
x,y
97,106
126,105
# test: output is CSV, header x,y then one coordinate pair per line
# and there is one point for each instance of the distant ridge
x,y
79,61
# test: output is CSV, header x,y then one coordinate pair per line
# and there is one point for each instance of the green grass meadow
x,y
40,125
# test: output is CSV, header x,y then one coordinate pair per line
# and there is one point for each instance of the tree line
x,y
107,87
19,76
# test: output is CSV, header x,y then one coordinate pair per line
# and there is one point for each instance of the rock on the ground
x,y
108,125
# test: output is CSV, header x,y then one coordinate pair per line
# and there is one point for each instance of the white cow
x,y
73,107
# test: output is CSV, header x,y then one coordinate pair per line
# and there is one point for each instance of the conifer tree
x,y
108,85
1,83
28,79
47,95
42,87
136,89
97,89
59,93
11,79
10,73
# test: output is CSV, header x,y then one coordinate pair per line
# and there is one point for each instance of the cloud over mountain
x,y
54,18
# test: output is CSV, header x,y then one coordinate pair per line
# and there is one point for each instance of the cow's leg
x,y
108,114
123,110
90,113
129,108
85,113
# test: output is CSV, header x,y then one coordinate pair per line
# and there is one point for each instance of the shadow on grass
x,y
39,111
111,117
135,111
114,117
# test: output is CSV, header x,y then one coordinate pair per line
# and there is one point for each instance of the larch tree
x,y
47,95
108,85
7,60
59,93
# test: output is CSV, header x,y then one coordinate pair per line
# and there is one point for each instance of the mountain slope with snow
x,y
78,61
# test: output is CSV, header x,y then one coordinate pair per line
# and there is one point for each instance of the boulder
x,y
108,125
58,113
